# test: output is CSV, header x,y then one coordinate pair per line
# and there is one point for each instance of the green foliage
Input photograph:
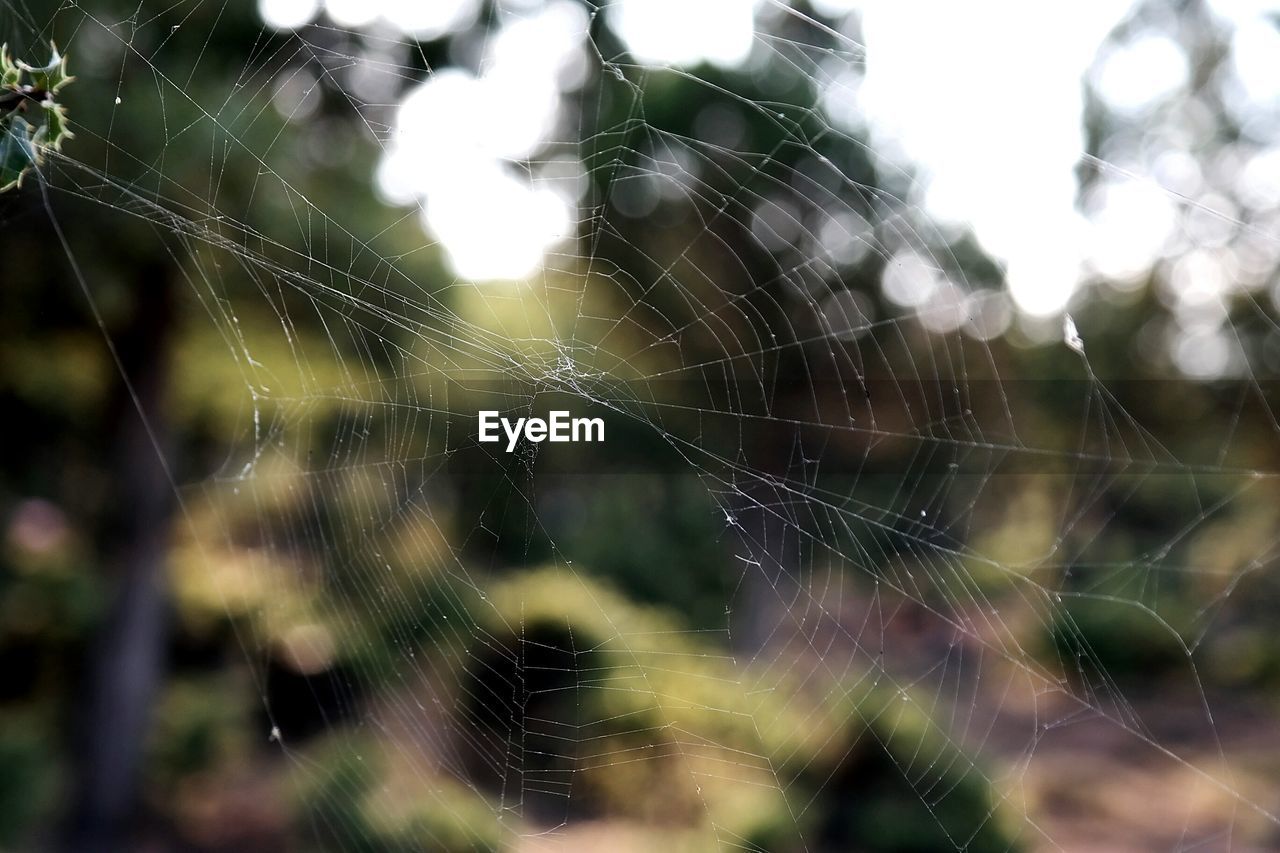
x,y
27,783
563,652
673,557
349,800
17,152
31,119
201,725
406,581
1096,635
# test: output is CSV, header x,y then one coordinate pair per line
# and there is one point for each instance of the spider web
x,y
868,559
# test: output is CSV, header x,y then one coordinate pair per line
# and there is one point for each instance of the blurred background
x,y
936,345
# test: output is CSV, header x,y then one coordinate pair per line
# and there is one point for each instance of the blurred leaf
x,y
51,76
22,143
17,152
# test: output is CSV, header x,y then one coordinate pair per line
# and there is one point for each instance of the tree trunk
x,y
126,661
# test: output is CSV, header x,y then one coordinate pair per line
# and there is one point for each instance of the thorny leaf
x,y
50,77
17,152
31,120
10,73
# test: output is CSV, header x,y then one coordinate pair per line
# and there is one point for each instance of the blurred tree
x,y
262,304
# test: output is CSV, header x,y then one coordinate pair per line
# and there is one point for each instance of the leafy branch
x,y
31,119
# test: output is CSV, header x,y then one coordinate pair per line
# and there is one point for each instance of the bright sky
x,y
985,97
457,136
991,108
